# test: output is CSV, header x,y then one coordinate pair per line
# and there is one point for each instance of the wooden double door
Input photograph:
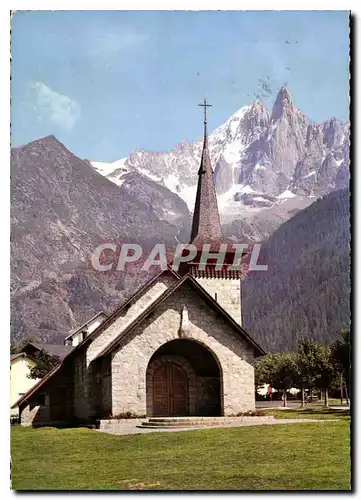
x,y
170,391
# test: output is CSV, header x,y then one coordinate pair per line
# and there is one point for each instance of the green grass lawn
x,y
287,457
318,413
336,401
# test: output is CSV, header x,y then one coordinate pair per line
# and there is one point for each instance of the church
x,y
174,348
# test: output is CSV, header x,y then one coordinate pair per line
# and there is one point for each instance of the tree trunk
x,y
326,398
303,404
346,393
341,389
284,398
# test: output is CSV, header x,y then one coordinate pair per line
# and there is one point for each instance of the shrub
x,y
251,413
124,416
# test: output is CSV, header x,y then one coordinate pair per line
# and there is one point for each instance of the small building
x,y
20,366
78,335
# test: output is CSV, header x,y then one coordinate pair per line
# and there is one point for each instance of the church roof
x,y
117,342
206,226
110,319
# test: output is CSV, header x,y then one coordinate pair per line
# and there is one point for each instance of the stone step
x,y
189,426
163,421
180,422
187,419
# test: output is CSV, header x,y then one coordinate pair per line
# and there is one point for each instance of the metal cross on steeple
x,y
205,106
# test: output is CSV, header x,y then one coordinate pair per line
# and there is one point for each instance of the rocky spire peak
x,y
259,110
283,104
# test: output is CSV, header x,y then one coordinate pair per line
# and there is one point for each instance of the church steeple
x,y
220,283
206,227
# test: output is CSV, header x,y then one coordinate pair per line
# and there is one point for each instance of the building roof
x,y
19,355
59,350
206,226
79,328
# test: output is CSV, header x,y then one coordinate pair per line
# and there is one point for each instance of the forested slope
x,y
306,290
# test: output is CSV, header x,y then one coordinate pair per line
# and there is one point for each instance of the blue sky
x,y
109,83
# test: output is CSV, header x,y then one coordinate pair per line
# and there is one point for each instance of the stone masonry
x,y
234,355
227,292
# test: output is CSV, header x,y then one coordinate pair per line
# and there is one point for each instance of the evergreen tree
x,y
341,355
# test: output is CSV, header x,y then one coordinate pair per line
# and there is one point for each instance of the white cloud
x,y
56,107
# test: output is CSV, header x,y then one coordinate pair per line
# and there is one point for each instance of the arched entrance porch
x,y
184,378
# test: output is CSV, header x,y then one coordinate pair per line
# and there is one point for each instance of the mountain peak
x,y
258,108
283,103
48,141
258,104
239,114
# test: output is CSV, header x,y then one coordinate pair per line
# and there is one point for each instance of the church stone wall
x,y
208,396
39,409
80,386
106,387
227,292
34,413
234,355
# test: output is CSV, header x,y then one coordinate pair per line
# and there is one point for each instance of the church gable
x,y
184,316
185,313
195,305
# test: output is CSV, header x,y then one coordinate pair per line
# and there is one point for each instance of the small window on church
x,y
83,335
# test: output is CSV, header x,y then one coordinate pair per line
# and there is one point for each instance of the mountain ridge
x,y
61,210
258,158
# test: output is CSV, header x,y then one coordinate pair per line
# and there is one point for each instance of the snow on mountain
x,y
259,159
107,168
286,194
